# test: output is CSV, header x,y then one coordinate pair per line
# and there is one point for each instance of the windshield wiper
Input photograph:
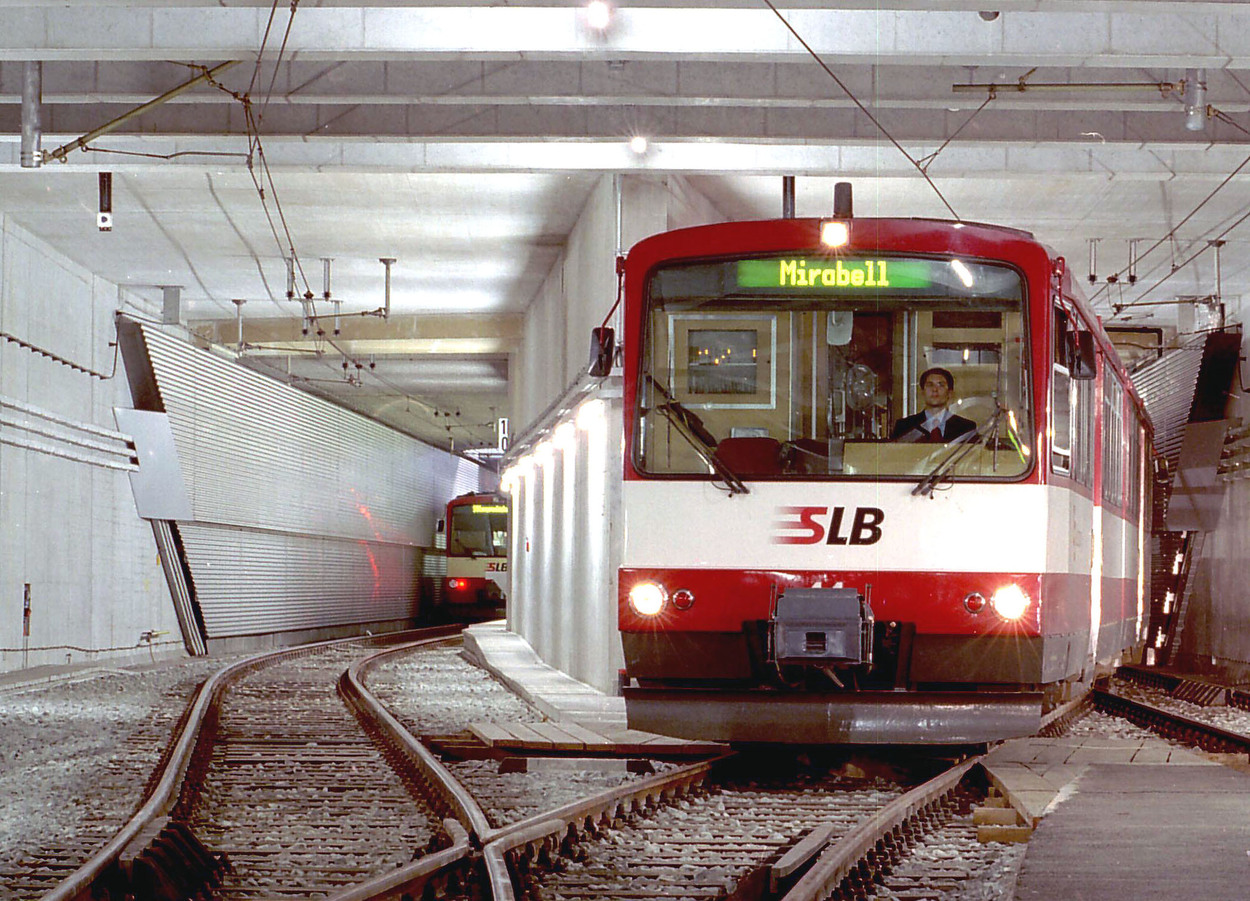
x,y
691,427
963,446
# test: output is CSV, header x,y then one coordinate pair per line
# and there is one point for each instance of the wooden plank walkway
x,y
549,737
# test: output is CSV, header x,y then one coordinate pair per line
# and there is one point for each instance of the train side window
x,y
1134,467
1061,397
1113,444
1083,433
1061,420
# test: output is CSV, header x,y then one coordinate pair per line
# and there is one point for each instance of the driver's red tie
x,y
935,435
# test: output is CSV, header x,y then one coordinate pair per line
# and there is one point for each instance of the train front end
x,y
477,561
799,567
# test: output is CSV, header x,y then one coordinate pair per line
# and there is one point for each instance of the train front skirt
x,y
861,717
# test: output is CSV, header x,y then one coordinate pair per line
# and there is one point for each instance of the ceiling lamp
x,y
598,15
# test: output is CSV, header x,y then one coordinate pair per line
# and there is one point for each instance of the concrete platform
x,y
555,695
1036,773
1133,831
1119,819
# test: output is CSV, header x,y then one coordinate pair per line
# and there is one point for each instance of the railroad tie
x,y
997,821
1204,694
173,866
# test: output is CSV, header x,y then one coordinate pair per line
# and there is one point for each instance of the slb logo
x,y
497,567
815,524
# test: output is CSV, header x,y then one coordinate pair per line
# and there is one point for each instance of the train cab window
x,y
478,530
815,359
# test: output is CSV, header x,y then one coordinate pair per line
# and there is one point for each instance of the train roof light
x,y
1010,602
647,598
835,233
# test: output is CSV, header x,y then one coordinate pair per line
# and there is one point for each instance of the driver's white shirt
x,y
936,420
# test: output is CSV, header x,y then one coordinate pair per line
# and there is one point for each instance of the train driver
x,y
935,422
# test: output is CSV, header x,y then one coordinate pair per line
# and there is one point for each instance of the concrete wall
x,y
581,288
565,541
69,528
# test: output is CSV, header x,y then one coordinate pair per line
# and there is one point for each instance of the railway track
x,y
285,787
272,789
1201,714
294,792
121,743
743,827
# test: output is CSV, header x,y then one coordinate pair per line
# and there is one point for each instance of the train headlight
x,y
1010,602
647,598
834,233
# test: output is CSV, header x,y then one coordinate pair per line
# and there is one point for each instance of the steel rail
x,y
80,885
543,833
842,857
455,797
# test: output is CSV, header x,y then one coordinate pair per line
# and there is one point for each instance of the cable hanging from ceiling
x,y
1119,309
922,169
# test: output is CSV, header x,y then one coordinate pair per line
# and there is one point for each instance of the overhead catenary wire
x,y
1214,113
863,109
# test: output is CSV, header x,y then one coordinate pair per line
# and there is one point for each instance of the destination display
x,y
839,275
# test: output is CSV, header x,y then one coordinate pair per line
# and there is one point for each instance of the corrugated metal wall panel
x,y
249,582
305,515
259,453
1167,388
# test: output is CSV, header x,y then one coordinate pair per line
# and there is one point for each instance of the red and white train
x,y
791,574
477,555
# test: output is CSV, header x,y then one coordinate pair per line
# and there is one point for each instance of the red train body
x,y
790,573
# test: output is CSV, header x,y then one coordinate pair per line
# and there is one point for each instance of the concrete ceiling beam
x,y
1123,159
1207,35
462,333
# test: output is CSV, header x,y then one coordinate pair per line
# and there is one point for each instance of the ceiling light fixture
x,y
598,15
638,144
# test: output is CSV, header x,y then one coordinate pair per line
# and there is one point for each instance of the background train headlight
x,y
1010,602
647,598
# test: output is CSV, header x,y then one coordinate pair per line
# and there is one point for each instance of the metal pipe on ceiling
x,y
32,131
1028,87
81,143
387,262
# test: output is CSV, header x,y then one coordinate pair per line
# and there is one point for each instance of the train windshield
x,y
811,366
478,530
